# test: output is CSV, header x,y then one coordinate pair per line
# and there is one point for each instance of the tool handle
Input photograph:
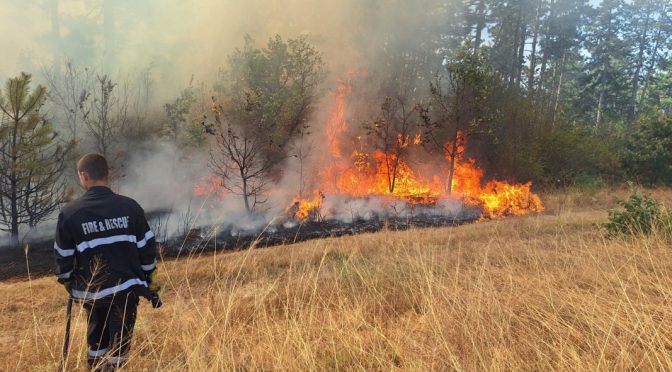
x,y
66,337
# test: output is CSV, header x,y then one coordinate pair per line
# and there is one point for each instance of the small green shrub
x,y
640,214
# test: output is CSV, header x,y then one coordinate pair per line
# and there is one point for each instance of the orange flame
x,y
502,199
302,209
336,126
496,198
373,174
370,176
209,186
353,170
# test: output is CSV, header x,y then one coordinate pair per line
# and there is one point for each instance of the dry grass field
x,y
545,292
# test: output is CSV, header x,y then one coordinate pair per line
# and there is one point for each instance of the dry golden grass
x,y
541,292
582,199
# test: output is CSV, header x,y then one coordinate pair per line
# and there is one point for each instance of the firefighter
x,y
106,259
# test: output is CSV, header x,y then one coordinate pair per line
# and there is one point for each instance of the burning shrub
x,y
641,214
303,210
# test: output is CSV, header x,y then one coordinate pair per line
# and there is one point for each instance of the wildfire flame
x,y
496,198
365,174
369,178
304,209
502,199
353,169
209,186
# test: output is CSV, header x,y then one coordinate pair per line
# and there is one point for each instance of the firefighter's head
x,y
92,170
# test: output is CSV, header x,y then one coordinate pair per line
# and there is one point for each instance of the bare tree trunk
x,y
522,37
652,64
600,103
552,86
533,53
632,107
392,173
558,91
246,196
514,56
521,53
14,187
545,56
480,24
454,146
451,169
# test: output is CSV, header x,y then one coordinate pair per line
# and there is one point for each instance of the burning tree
x,y
458,106
394,130
31,161
369,172
267,96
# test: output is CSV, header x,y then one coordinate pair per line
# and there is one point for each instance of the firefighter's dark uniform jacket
x,y
104,246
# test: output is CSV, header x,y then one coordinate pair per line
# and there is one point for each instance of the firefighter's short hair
x,y
95,165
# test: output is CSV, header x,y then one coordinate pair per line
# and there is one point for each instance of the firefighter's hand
x,y
155,300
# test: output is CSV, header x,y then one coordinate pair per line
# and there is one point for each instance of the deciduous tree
x,y
266,97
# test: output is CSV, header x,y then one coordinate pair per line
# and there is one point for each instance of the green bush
x,y
572,156
640,214
647,156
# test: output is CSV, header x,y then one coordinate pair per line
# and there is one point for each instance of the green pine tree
x,y
31,159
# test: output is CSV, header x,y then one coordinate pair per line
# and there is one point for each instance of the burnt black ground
x,y
231,239
14,264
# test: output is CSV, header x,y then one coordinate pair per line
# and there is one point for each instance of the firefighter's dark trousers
x,y
110,328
